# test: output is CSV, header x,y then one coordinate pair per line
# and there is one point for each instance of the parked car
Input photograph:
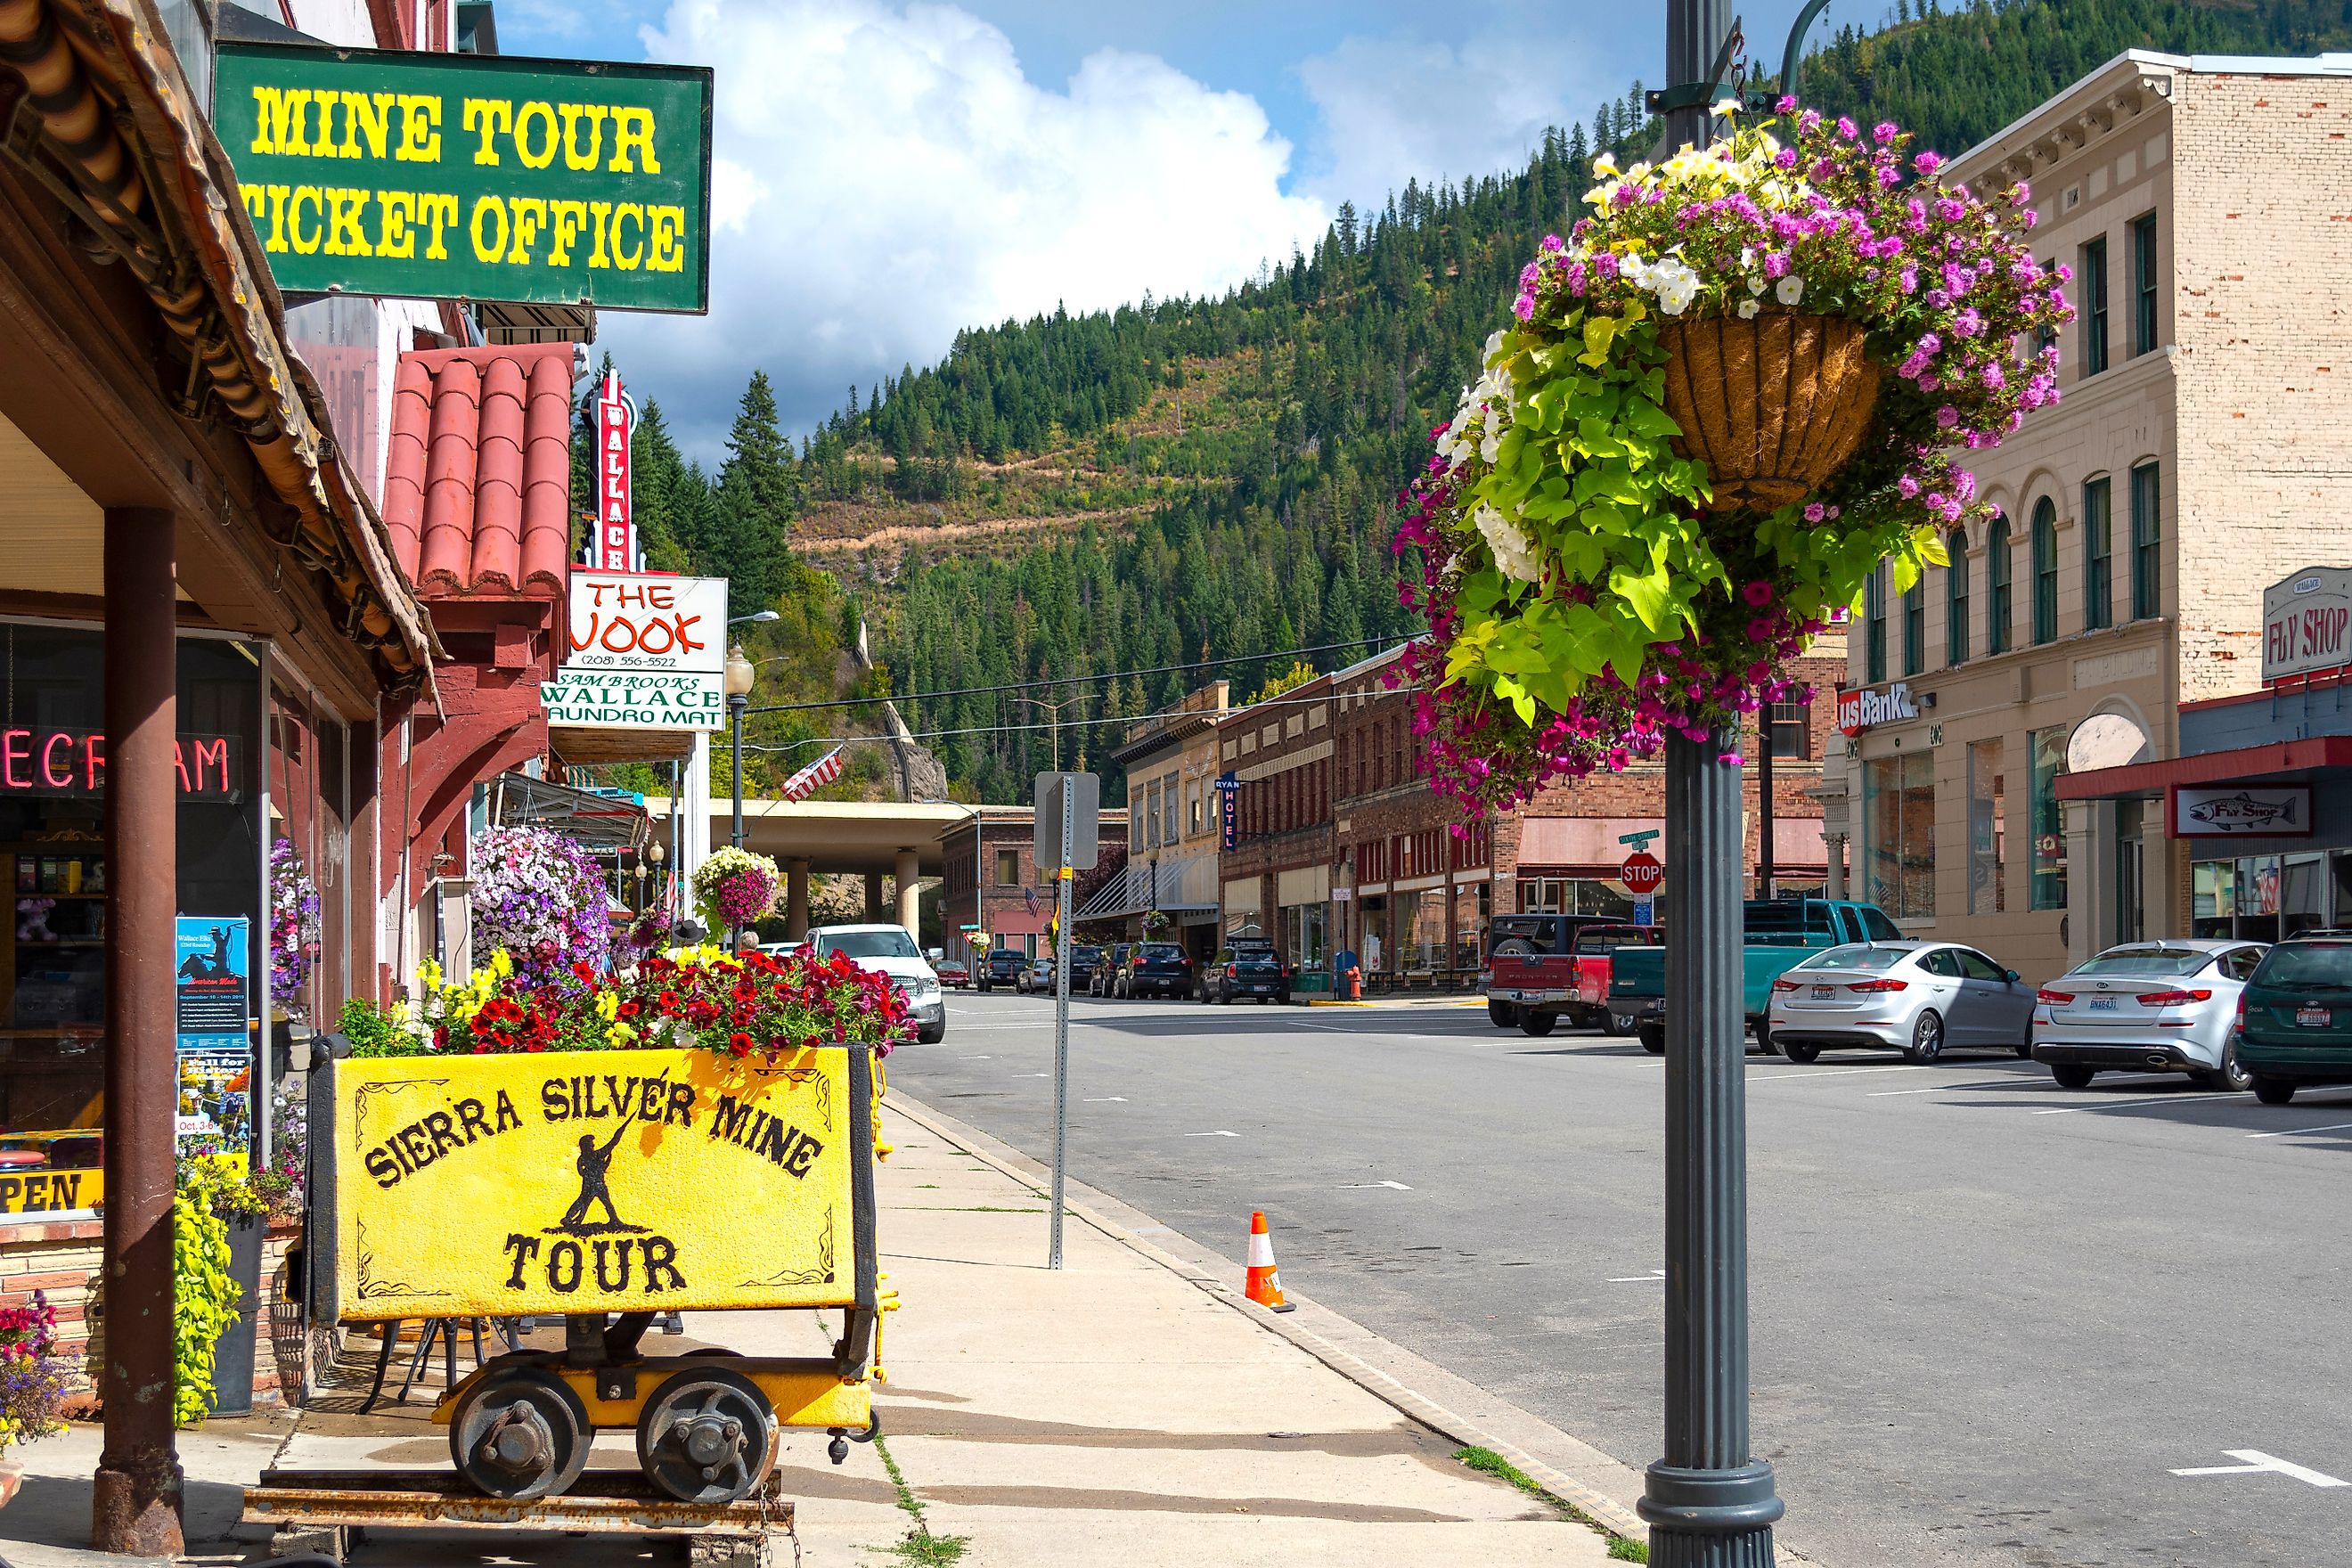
x,y
1038,977
1154,969
1003,968
1083,961
2160,1006
1533,990
1106,969
951,972
1248,967
889,949
1779,933
1917,997
2295,1018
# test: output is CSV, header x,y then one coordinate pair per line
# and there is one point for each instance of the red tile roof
x,y
477,477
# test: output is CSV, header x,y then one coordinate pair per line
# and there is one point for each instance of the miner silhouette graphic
x,y
595,1164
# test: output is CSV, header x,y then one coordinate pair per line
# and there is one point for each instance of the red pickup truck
x,y
1546,968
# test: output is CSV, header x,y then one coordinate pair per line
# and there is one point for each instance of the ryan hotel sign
x,y
476,177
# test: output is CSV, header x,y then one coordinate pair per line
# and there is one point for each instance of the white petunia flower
x,y
1723,108
1514,553
1748,309
1491,448
1756,286
1790,290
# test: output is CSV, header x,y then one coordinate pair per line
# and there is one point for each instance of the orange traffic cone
x,y
1264,1284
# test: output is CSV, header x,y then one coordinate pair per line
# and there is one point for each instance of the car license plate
x,y
2315,1017
2103,1004
1824,993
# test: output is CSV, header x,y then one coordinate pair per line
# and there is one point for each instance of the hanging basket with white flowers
x,y
1726,397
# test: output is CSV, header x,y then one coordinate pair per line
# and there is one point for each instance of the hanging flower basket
x,y
1774,405
1726,398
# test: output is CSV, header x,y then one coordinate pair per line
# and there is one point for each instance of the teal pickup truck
x,y
1780,931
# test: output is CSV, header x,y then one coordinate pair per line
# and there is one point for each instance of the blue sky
x,y
889,173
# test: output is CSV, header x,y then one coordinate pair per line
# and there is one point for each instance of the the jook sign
x,y
472,177
2307,623
597,1182
644,652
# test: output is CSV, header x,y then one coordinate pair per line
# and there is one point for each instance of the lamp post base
x,y
1711,1519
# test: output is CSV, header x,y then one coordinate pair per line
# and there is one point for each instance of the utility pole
x,y
1709,1500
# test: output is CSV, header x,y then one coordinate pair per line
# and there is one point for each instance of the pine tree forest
x,y
1189,490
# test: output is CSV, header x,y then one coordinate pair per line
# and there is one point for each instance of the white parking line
x,y
2191,1098
1220,1132
2291,1131
1940,1088
2259,1463
1840,1072
1105,1100
1651,1278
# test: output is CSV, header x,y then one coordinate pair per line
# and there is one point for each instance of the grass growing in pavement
x,y
1486,1461
920,1546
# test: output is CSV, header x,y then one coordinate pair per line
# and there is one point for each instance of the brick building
x,y
994,851
1275,865
2197,457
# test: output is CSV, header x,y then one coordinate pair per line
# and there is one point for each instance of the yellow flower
x,y
608,1006
428,973
500,964
619,1035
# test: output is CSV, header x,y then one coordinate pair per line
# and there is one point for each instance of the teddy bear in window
x,y
33,920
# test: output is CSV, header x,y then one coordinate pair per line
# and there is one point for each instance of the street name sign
x,y
1642,838
472,177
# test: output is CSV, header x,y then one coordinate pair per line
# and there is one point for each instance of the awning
x,y
2277,760
1581,843
599,821
1798,845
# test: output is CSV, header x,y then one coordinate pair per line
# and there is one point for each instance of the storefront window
x,y
1420,925
1579,896
1898,817
1306,935
53,1026
2049,760
2258,897
2303,894
2213,906
1988,831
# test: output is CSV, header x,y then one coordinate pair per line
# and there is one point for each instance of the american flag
x,y
816,775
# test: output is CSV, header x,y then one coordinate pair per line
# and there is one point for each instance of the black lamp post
x,y
1709,1500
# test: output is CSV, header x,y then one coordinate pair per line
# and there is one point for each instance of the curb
x,y
1601,1487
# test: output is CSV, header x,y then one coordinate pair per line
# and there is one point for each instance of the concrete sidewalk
x,y
1115,1410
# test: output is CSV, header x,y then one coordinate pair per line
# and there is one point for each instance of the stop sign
x,y
1641,873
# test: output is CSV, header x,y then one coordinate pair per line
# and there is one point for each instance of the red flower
x,y
628,1009
669,1003
739,1044
584,972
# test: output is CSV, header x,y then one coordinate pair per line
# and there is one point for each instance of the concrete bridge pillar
x,y
907,875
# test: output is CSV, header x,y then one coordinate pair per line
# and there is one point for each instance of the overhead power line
x,y
1108,675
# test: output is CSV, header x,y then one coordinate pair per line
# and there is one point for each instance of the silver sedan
x,y
1917,997
2147,1006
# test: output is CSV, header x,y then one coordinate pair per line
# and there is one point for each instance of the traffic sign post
x,y
1066,844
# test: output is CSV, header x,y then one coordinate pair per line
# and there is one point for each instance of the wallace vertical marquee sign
x,y
473,176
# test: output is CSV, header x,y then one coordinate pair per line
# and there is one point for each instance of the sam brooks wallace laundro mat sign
x,y
474,177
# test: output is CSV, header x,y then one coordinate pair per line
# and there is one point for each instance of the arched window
x,y
2045,570
1997,585
1955,599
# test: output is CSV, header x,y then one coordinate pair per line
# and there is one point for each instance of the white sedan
x,y
1917,997
2147,1006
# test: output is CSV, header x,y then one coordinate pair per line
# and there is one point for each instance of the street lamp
x,y
754,615
653,857
1709,1500
1056,710
739,676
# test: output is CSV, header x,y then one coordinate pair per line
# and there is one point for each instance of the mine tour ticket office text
x,y
404,174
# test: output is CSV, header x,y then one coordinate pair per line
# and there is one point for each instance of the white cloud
x,y
886,176
1391,108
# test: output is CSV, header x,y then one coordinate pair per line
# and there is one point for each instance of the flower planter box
x,y
594,1182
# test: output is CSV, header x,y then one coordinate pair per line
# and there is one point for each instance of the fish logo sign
x,y
2245,813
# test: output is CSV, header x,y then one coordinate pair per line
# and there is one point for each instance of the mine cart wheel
x,y
520,1433
707,1435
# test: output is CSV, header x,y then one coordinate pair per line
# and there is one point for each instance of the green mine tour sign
x,y
471,176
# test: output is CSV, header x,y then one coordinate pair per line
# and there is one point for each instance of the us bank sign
x,y
1865,707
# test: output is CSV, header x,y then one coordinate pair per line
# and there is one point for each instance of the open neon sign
x,y
72,762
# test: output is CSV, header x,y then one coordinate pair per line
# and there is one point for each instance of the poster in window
x,y
212,994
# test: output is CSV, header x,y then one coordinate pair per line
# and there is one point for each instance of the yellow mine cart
x,y
607,1187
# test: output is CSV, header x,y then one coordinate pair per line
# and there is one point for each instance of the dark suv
x,y
1154,969
1084,962
2295,1018
1248,968
1106,969
1003,968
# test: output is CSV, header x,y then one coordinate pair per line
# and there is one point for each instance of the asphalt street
x,y
1991,1318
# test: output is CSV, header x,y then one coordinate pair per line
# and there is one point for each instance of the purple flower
x,y
1908,486
1927,163
1815,512
1759,592
1885,131
1524,306
1845,128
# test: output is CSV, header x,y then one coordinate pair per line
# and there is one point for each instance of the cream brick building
x,y
2203,449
